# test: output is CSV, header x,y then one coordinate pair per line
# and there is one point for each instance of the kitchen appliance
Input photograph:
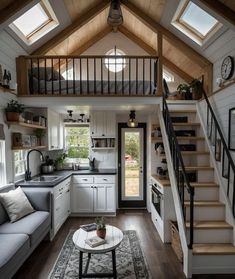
x,y
47,169
157,198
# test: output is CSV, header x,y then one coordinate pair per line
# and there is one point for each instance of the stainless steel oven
x,y
157,199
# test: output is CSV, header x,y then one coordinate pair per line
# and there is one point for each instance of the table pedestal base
x,y
96,275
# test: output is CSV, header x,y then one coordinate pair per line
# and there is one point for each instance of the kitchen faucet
x,y
28,172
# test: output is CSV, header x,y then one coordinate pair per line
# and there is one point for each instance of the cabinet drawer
x,y
83,179
105,179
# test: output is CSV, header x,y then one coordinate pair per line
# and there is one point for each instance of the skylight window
x,y
195,22
35,23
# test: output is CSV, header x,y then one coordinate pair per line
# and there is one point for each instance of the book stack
x,y
89,227
95,241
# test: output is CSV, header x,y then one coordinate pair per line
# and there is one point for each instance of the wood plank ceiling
x,y
97,27
229,3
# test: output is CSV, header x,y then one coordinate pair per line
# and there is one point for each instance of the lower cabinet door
x,y
57,222
104,198
82,198
99,198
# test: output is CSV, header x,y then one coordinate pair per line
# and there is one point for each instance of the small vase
x,y
101,233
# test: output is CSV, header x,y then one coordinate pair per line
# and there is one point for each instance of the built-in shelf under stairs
x,y
213,248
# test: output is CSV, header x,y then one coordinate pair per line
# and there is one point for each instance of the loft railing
x,y
87,75
182,179
218,141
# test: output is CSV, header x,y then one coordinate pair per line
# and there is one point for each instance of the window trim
x,y
41,30
21,161
108,64
189,30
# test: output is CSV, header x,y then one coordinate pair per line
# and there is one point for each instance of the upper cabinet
x,y
55,134
103,124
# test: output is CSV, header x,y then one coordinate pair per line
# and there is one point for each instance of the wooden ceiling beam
x,y
12,8
220,9
151,51
77,24
169,36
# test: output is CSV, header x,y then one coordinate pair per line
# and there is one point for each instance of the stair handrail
x,y
179,169
225,150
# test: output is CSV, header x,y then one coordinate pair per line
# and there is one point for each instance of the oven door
x,y
157,198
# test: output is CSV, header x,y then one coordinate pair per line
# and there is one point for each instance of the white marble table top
x,y
113,238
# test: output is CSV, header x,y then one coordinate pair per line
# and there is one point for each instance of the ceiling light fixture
x,y
115,17
132,123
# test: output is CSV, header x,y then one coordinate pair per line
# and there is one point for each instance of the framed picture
x,y
33,140
16,139
231,130
26,140
218,150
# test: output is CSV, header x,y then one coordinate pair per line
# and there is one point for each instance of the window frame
x,y
189,30
77,160
2,163
115,51
21,161
41,30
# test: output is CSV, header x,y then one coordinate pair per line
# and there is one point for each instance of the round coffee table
x,y
113,239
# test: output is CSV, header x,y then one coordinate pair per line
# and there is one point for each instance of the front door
x,y
132,166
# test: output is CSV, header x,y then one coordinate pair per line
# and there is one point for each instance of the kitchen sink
x,y
45,178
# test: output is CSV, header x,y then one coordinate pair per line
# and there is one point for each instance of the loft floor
x,y
160,257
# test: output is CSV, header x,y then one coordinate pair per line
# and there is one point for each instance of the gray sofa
x,y
19,239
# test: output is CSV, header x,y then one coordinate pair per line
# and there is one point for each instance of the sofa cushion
x,y
3,214
14,248
16,204
34,225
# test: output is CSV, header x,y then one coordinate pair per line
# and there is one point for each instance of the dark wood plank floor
x,y
160,257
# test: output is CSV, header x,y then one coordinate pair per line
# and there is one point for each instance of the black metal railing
x,y
92,75
221,151
180,172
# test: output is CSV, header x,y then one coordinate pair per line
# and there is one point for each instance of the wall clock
x,y
227,67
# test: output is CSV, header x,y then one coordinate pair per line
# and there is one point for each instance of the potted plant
x,y
59,161
183,90
39,133
100,227
196,89
13,111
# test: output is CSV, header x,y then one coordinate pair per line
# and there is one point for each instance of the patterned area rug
x,y
130,261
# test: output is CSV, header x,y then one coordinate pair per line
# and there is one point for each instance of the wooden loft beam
x,y
152,51
156,27
12,8
92,41
77,24
220,9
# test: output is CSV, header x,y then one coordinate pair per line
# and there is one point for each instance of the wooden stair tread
x,y
204,184
198,168
210,225
183,111
195,153
214,249
205,203
190,138
186,124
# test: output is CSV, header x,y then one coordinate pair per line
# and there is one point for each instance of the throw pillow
x,y
16,204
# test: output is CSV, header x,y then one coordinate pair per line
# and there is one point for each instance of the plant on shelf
x,y
100,227
39,133
13,110
183,90
59,161
196,89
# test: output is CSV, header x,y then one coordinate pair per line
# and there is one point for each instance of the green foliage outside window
x,y
77,143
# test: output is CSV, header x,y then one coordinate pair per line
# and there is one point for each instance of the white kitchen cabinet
x,y
54,128
95,197
60,205
103,124
82,198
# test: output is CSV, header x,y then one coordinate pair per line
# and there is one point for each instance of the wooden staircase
x,y
213,248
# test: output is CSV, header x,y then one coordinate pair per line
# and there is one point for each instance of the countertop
x,y
64,174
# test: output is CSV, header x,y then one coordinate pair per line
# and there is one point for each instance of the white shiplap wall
x,y
225,99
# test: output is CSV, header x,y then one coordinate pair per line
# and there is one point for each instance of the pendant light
x,y
132,123
115,15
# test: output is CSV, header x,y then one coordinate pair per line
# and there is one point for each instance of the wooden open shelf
x,y
7,90
29,147
22,124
